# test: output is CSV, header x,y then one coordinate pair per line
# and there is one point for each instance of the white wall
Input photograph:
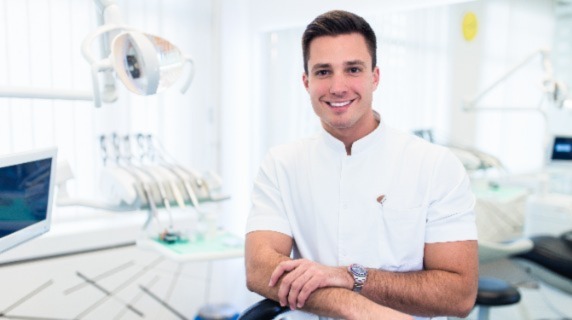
x,y
511,31
275,15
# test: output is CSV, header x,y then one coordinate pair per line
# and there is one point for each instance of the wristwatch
x,y
359,273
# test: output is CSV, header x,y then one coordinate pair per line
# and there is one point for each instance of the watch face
x,y
358,270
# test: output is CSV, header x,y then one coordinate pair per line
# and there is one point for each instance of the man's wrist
x,y
359,275
347,278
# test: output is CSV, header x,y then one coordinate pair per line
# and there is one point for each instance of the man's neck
x,y
349,136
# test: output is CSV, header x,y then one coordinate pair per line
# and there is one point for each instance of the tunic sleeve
x,y
268,211
451,215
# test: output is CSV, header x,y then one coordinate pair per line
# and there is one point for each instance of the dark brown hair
x,y
335,23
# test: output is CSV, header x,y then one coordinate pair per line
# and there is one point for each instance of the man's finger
x,y
296,286
282,267
286,284
309,286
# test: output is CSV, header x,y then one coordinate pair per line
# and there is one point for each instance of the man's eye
x,y
354,70
321,73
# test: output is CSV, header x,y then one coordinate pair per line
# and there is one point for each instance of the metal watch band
x,y
359,273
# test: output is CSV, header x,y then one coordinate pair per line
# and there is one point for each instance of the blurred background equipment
x,y
26,195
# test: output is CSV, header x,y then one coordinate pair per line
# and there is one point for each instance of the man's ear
x,y
375,77
305,80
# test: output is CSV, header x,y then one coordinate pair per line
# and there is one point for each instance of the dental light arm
x,y
554,91
110,94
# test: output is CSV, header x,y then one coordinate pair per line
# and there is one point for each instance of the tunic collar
x,y
358,146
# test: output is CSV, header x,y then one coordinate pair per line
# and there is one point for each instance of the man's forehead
x,y
358,54
354,36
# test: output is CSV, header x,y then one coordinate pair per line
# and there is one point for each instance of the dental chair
x,y
493,291
528,261
550,260
264,310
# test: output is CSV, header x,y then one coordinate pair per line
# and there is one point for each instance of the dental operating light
x,y
146,64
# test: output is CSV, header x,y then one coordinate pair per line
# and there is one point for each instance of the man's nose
x,y
338,86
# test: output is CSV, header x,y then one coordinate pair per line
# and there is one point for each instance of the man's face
x,y
341,83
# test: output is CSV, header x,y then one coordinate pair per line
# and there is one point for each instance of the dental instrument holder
x,y
206,222
153,191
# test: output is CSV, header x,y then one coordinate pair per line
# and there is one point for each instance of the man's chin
x,y
338,125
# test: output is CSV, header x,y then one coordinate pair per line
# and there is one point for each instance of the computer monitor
x,y
561,150
426,134
26,194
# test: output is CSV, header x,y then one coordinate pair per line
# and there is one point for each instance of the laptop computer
x,y
561,150
26,195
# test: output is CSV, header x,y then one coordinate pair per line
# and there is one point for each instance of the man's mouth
x,y
339,104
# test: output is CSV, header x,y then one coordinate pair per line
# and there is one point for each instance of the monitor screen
x,y
426,134
562,149
26,194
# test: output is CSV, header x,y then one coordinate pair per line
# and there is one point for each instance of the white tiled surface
x,y
183,286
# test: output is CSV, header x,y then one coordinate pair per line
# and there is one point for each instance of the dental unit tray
x,y
220,245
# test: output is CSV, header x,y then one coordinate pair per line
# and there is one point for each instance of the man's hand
x,y
301,277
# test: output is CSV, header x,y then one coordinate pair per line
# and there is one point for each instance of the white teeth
x,y
339,104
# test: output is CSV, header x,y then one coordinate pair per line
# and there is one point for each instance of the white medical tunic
x,y
327,201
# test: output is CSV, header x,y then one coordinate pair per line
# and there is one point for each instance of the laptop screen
x,y
562,149
26,187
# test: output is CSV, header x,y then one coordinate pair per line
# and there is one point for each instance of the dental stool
x,y
494,292
550,260
271,310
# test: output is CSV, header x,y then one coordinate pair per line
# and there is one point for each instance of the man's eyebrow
x,y
355,63
321,66
350,63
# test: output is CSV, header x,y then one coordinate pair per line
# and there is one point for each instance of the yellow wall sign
x,y
470,26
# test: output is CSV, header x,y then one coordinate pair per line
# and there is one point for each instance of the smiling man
x,y
361,220
341,89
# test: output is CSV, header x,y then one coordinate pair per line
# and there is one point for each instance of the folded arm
x,y
265,250
446,286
